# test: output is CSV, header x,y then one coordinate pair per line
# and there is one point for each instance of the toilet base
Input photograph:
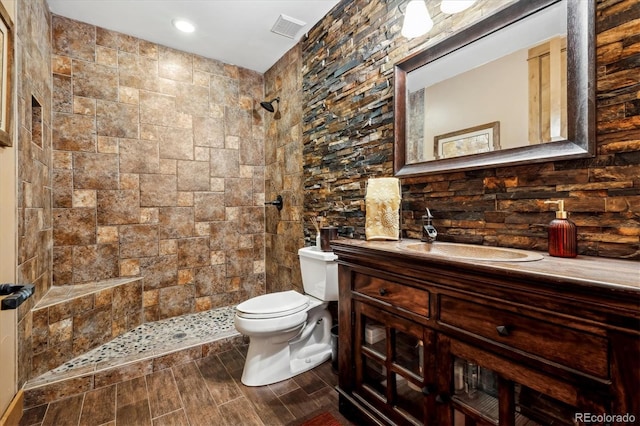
x,y
271,359
300,365
265,371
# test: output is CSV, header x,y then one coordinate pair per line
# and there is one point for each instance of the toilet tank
x,y
319,273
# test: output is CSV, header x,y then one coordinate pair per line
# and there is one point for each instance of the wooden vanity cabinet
x,y
441,343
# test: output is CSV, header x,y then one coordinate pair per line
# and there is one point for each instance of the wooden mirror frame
x,y
6,78
581,81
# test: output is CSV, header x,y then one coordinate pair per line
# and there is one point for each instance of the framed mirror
x,y
477,99
6,74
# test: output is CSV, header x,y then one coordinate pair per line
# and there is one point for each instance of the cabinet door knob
x,y
442,398
428,389
382,291
503,330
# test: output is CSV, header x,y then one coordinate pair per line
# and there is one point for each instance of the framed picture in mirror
x,y
6,58
474,140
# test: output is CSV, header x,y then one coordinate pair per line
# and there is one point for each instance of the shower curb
x,y
71,320
38,392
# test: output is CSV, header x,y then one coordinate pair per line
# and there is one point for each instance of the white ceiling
x,y
236,32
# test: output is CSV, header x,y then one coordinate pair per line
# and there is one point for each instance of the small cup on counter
x,y
327,233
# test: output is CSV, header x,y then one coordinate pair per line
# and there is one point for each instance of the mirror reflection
x,y
506,90
474,127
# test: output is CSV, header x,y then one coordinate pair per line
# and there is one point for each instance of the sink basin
x,y
474,252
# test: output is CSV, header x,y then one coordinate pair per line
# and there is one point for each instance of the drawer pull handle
x,y
382,291
503,330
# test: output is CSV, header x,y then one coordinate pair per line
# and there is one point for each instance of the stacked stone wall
x,y
347,106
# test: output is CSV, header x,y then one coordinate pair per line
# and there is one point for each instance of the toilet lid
x,y
273,305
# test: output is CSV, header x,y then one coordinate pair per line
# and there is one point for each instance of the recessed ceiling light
x,y
183,25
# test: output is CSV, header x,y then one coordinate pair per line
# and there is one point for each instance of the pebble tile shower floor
x,y
148,340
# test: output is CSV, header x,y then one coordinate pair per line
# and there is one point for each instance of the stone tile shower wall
x,y
348,63
33,146
284,175
158,170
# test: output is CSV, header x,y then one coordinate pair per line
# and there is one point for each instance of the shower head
x,y
269,105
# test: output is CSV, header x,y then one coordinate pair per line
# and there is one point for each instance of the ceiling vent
x,y
287,26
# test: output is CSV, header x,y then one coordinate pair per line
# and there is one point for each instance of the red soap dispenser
x,y
563,236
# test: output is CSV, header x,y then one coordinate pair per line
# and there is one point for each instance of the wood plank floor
x,y
204,392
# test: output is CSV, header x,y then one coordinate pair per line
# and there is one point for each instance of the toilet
x,y
290,332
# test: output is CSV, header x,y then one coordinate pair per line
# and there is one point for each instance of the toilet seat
x,y
273,305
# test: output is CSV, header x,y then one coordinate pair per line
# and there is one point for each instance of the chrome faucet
x,y
429,232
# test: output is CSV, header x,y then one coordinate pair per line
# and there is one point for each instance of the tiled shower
x,y
154,164
158,170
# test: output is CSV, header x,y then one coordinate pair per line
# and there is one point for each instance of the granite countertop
x,y
586,270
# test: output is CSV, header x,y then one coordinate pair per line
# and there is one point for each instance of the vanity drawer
x,y
573,348
398,295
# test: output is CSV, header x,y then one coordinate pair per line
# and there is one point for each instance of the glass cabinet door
x,y
488,390
541,409
474,389
391,367
476,392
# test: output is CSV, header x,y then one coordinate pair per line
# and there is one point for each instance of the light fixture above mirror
x,y
417,20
